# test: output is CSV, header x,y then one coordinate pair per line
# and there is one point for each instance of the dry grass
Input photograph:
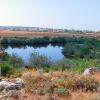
x,y
96,76
58,86
68,86
7,33
74,96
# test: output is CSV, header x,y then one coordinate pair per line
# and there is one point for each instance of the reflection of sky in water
x,y
53,52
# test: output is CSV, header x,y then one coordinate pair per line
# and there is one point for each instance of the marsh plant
x,y
39,61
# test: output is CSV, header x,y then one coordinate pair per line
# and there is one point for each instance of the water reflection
x,y
51,51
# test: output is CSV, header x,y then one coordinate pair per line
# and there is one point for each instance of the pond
x,y
53,52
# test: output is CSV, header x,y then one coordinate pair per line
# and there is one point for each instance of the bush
x,y
16,61
6,69
87,84
61,91
85,48
39,61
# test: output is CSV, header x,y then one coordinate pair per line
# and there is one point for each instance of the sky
x,y
69,14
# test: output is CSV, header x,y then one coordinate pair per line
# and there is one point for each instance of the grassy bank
x,y
12,64
80,53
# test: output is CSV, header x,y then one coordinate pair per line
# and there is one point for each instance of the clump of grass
x,y
15,75
61,91
57,83
6,69
87,84
35,81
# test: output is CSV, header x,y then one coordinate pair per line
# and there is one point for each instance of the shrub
x,y
58,40
6,69
57,83
61,91
85,48
16,61
87,84
36,60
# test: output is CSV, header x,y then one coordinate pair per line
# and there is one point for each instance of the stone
x,y
12,86
19,81
87,71
90,71
3,84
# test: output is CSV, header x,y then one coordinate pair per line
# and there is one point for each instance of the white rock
x,y
3,84
90,71
87,71
19,81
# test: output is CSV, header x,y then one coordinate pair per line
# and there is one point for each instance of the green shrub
x,y
61,91
6,69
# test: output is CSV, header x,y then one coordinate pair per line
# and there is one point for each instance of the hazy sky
x,y
77,14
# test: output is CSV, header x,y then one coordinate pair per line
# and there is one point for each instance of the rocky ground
x,y
31,84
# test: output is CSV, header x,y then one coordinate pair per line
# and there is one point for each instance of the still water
x,y
53,52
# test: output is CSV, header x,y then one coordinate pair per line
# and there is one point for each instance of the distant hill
x,y
39,29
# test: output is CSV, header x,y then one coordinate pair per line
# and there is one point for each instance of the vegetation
x,y
39,61
59,83
80,53
31,41
62,78
6,69
82,48
46,40
9,64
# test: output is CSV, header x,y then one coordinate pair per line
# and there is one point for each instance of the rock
x,y
19,81
6,85
90,71
3,84
87,71
12,86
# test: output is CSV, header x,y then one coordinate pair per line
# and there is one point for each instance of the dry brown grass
x,y
7,33
96,76
59,80
74,96
39,82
